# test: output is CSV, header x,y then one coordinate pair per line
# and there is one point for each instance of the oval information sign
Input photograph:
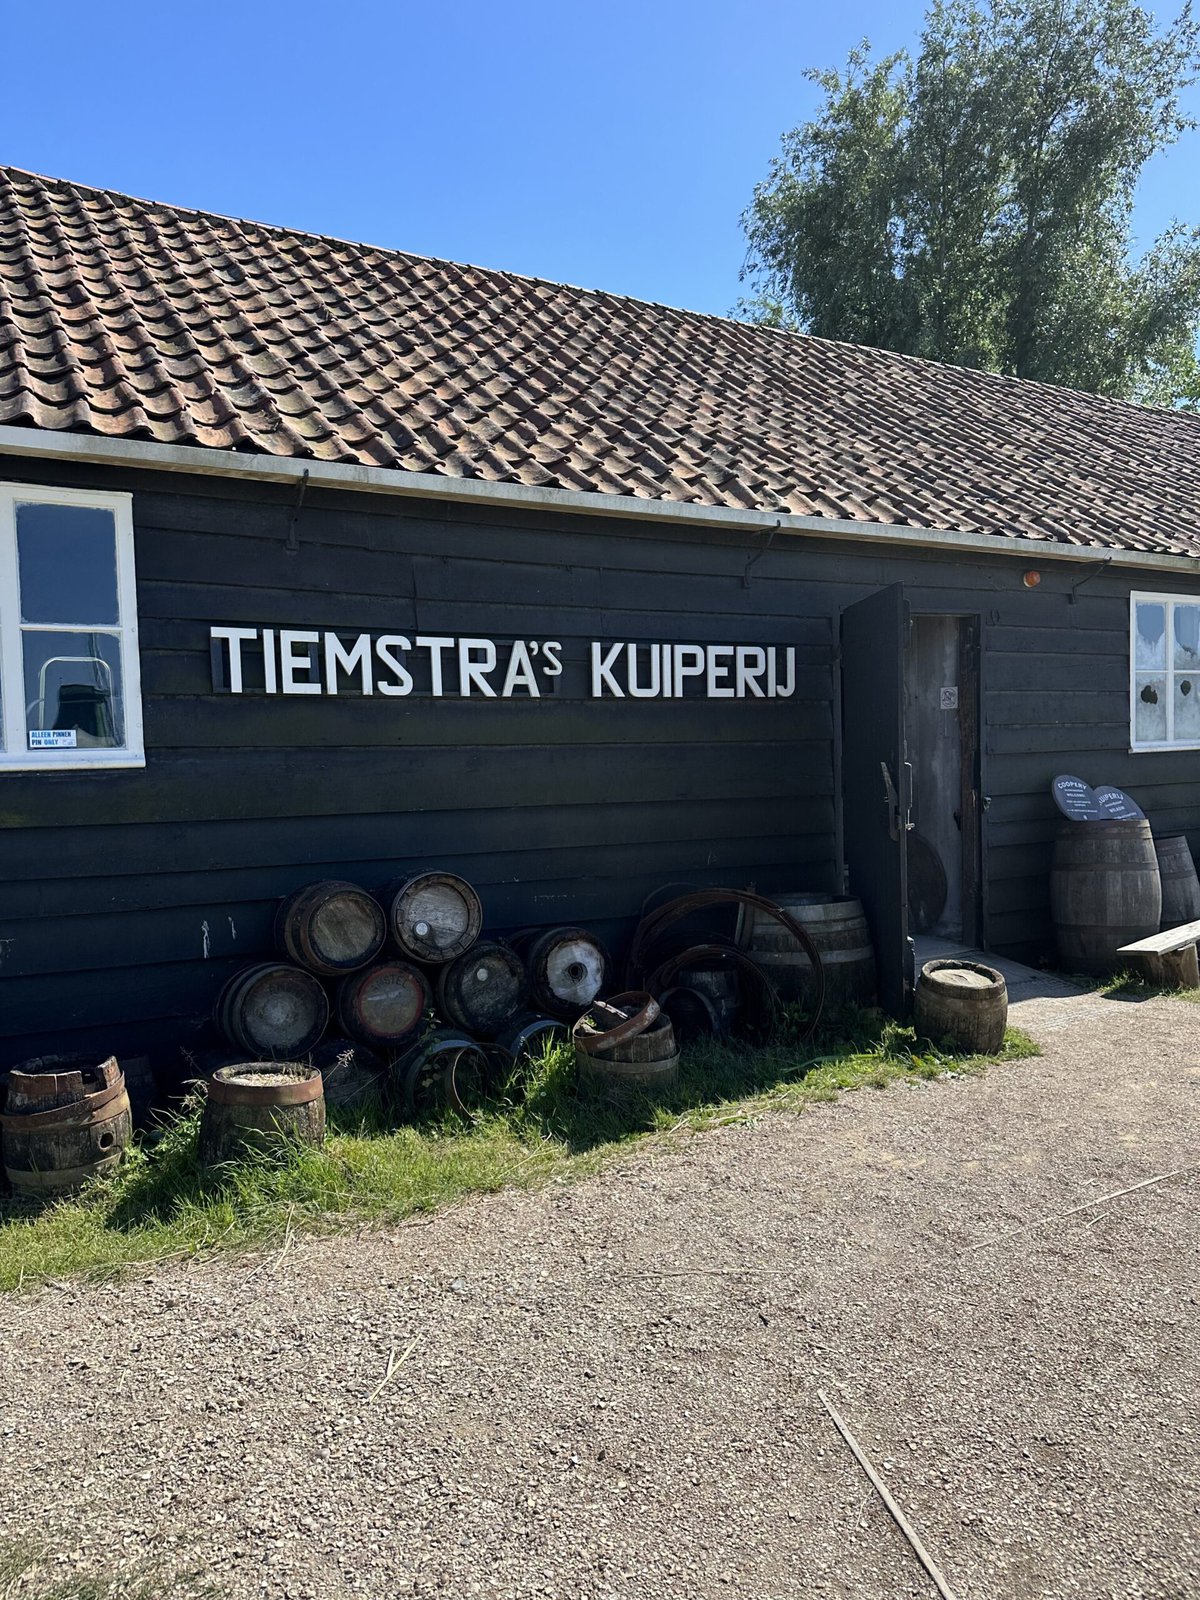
x,y
1077,800
1115,803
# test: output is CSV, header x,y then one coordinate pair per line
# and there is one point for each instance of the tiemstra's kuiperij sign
x,y
317,661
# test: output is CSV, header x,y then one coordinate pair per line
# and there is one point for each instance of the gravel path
x,y
609,1389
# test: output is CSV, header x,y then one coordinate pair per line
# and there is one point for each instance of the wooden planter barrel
x,y
261,1108
444,1071
383,1004
648,1061
330,927
568,968
962,1003
483,990
65,1121
1180,884
837,926
1105,891
273,1011
433,917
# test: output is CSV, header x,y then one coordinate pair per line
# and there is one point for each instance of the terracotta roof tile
x,y
131,319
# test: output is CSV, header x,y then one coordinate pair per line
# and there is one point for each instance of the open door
x,y
877,782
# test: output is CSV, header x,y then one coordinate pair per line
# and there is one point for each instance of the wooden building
x,y
324,560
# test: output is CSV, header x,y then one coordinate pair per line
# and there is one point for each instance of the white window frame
x,y
15,756
1169,670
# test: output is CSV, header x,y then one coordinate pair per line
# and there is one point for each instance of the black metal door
x,y
877,782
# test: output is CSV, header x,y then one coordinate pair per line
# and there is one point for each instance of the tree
x,y
974,204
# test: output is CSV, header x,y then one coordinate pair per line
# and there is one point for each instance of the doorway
x,y
941,705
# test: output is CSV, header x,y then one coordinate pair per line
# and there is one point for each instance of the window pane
x,y
68,563
1187,637
1187,706
1150,709
1150,646
73,686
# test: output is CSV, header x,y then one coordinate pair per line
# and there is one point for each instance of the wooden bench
x,y
1167,959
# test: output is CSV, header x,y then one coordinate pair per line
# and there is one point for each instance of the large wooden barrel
x,y
483,990
837,926
1180,884
258,1108
1105,891
273,1011
568,968
65,1121
444,1071
962,1003
383,1004
330,927
433,917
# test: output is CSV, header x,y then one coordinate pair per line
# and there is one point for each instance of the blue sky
x,y
609,145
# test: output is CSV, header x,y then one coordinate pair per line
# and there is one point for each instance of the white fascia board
x,y
50,444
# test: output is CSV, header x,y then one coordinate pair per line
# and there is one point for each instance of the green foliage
x,y
33,1572
973,204
551,1124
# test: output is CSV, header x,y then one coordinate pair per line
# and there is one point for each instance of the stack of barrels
x,y
401,986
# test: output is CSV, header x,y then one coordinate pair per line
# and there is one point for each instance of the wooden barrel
x,y
330,927
1105,891
261,1108
962,1003
525,1039
568,968
355,1078
383,1004
838,928
1180,885
694,1014
648,1061
65,1121
444,1071
483,990
722,987
273,1011
433,917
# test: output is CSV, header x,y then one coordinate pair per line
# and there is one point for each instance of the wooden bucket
x,y
261,1108
568,968
272,1011
837,926
444,1071
330,927
483,990
1180,884
433,917
384,1004
1105,891
963,1002
65,1121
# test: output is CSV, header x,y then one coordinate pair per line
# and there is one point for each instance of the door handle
x,y
909,824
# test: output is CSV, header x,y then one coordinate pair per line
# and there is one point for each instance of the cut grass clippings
x,y
163,1205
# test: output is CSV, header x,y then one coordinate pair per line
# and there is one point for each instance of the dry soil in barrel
x,y
610,1389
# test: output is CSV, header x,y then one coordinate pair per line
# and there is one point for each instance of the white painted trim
x,y
1169,670
15,756
52,445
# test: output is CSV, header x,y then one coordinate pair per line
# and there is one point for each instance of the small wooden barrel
x,y
354,1076
65,1121
483,990
261,1108
647,1061
330,927
433,917
1180,884
837,926
273,1011
963,1002
525,1039
568,968
444,1071
1105,891
383,1004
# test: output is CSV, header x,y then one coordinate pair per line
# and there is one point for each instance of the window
x,y
1164,671
70,694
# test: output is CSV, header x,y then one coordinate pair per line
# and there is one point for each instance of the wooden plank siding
x,y
116,884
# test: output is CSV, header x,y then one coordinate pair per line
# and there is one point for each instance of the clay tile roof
x,y
130,319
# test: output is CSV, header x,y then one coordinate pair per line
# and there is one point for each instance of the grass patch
x,y
1129,986
34,1572
163,1205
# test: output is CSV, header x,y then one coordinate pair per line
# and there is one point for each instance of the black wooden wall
x,y
115,885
